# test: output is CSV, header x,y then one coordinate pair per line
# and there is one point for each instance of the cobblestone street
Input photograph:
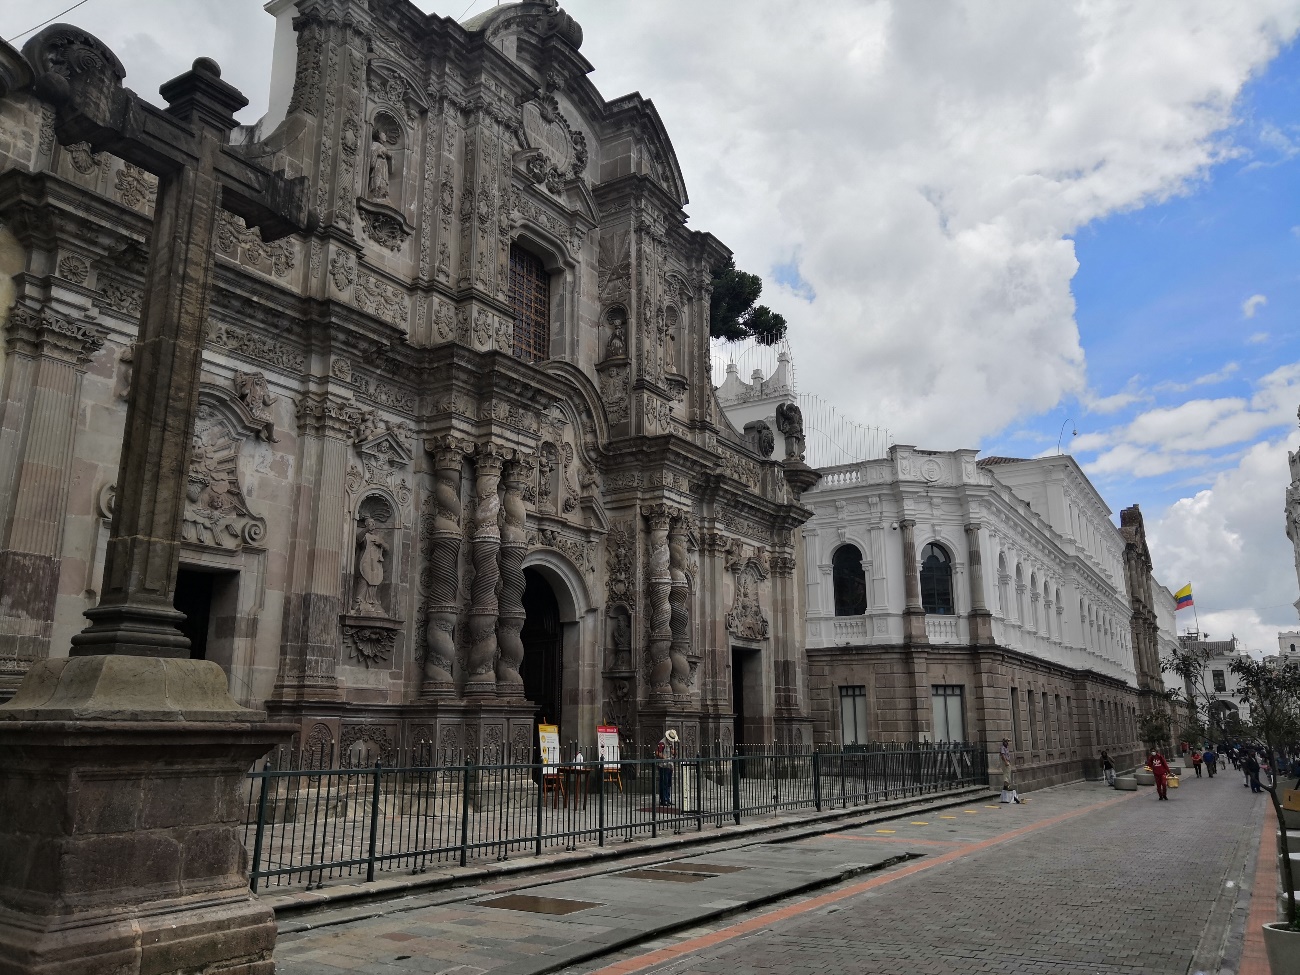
x,y
1079,879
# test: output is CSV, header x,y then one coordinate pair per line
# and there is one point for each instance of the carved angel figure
x,y
789,420
370,570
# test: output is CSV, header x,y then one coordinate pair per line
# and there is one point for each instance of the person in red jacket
x,y
1160,769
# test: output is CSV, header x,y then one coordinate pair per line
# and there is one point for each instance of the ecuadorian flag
x,y
1183,598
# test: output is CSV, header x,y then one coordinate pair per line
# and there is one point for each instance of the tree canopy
x,y
733,314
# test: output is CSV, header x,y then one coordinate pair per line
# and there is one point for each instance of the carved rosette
x,y
660,583
444,560
679,606
485,553
514,546
370,640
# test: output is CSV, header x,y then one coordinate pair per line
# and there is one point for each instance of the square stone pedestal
x,y
122,803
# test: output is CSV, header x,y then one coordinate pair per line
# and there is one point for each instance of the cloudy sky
x,y
988,224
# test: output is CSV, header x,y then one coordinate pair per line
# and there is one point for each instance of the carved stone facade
x,y
400,524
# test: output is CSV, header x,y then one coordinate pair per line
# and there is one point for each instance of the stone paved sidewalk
x,y
1135,886
1079,879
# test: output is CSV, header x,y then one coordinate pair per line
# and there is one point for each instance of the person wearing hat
x,y
665,752
1004,754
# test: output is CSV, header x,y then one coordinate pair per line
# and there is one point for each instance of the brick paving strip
x,y
1263,903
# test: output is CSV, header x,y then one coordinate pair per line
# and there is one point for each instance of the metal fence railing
x,y
310,826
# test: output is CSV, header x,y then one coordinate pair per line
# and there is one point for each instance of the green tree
x,y
733,314
1273,694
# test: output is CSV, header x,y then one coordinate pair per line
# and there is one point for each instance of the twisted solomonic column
x,y
679,607
485,548
514,546
660,583
444,564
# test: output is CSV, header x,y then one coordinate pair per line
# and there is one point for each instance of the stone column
x,y
485,550
679,596
38,420
913,612
981,619
514,546
444,568
315,598
660,583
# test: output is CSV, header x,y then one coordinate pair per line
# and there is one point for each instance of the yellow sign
x,y
548,740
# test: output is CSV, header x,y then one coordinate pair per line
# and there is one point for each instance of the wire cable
x,y
10,40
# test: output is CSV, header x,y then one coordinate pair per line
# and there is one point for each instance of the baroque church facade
x,y
458,464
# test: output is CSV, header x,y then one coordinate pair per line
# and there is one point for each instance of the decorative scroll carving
x,y
342,271
237,241
759,435
136,188
514,545
253,346
619,552
369,641
382,300
384,225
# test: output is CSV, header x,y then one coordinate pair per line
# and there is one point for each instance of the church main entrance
x,y
542,668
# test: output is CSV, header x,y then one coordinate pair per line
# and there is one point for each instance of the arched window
x,y
936,581
850,581
530,297
1047,610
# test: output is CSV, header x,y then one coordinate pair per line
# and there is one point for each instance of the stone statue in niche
x,y
617,345
789,420
760,437
620,640
372,553
382,143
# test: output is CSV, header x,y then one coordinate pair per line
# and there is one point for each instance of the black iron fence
x,y
310,826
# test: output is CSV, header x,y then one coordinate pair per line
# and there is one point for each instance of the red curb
x,y
1263,905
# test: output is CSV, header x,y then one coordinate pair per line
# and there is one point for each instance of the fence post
x,y
261,824
541,796
817,779
600,798
465,786
374,823
735,785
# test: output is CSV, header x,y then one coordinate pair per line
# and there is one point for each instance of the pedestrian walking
x,y
1160,769
1004,757
1197,758
665,752
1211,759
1108,768
1252,767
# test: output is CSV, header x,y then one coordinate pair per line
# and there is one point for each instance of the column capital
x,y
328,415
491,458
41,333
448,451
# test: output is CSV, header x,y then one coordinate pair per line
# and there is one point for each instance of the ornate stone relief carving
x,y
382,300
245,245
384,457
746,619
136,188
257,400
619,557
253,346
760,437
342,270
384,225
216,513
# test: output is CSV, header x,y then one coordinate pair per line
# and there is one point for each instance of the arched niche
x,y
375,562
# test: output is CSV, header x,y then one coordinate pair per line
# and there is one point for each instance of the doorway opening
x,y
543,665
746,696
194,599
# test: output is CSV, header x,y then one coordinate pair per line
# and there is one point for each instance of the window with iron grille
x,y
530,296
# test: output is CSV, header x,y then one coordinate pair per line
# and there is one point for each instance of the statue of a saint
x,y
381,165
370,570
789,420
617,345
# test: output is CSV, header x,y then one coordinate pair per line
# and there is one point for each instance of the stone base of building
x,y
122,802
1061,720
347,735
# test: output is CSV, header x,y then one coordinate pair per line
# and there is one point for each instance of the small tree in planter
x,y
1273,694
1154,729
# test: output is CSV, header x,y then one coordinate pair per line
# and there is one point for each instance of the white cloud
x,y
1169,438
925,161
1252,305
1258,338
1230,541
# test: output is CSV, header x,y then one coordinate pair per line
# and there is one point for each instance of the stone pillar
x,y
679,596
913,612
315,598
485,551
47,358
981,619
514,546
660,583
444,567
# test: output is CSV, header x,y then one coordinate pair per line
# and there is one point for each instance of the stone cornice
x,y
41,333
